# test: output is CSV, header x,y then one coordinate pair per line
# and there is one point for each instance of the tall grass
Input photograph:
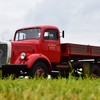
x,y
52,89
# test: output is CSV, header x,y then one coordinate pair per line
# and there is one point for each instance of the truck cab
x,y
43,40
31,45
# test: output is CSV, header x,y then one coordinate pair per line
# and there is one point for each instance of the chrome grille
x,y
3,54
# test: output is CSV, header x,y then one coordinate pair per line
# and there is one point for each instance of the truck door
x,y
51,45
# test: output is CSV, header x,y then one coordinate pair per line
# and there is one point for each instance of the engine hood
x,y
25,42
24,46
27,46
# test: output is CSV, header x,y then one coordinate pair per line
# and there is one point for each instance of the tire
x,y
95,71
38,70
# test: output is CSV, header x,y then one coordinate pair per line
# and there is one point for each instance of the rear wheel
x,y
38,70
95,71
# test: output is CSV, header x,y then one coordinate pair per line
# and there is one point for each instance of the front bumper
x,y
14,69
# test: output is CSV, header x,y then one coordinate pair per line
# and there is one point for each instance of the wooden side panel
x,y
95,51
79,50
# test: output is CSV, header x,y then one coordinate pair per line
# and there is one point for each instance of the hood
x,y
26,46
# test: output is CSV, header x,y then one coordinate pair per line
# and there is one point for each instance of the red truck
x,y
37,51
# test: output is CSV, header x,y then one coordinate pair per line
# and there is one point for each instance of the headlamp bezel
x,y
23,55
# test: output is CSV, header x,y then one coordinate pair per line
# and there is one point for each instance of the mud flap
x,y
13,69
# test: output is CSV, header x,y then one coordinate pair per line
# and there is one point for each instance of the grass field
x,y
50,89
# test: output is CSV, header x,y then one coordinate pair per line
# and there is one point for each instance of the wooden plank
x,y
78,49
95,50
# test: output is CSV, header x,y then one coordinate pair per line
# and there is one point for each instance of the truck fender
x,y
35,57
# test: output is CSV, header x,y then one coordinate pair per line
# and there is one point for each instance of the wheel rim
x,y
39,72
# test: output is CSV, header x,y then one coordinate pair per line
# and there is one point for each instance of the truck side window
x,y
51,34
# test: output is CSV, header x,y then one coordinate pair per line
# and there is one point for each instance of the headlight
x,y
22,55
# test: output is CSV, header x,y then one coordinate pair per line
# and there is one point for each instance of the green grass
x,y
52,89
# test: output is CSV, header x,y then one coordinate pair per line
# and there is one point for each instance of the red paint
x,y
68,49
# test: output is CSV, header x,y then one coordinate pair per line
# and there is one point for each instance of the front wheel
x,y
38,70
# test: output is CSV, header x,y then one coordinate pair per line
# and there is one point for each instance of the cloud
x,y
12,15
79,18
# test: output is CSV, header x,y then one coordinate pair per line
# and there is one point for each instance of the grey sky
x,y
79,18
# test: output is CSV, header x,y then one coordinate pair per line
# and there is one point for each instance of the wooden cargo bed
x,y
68,49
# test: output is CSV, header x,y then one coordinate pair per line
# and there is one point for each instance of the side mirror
x,y
63,34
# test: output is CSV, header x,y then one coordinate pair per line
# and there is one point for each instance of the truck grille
x,y
3,54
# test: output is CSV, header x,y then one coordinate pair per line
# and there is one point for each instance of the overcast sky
x,y
79,18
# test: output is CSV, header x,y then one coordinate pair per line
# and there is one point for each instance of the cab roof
x,y
42,26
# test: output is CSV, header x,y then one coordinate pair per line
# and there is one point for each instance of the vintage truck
x,y
37,51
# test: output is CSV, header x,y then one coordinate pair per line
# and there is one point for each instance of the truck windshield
x,y
33,33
